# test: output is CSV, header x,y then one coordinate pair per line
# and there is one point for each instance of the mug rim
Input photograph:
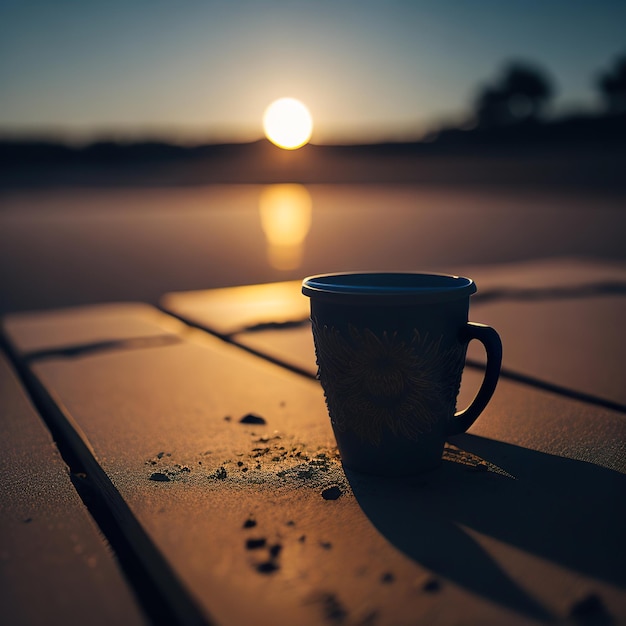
x,y
401,286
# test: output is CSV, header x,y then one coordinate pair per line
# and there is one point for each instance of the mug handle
x,y
493,346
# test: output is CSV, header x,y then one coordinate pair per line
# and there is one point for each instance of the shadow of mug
x,y
570,512
390,350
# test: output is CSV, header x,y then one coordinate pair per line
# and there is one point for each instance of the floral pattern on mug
x,y
374,383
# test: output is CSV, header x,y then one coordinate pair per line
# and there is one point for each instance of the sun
x,y
287,123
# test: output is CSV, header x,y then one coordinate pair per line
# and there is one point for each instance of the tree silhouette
x,y
612,86
521,93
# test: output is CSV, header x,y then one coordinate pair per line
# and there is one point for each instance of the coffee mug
x,y
390,351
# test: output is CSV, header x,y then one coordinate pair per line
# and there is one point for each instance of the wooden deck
x,y
203,441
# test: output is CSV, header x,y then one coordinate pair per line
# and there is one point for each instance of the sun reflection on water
x,y
285,218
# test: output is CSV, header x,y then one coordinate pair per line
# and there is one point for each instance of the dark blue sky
x,y
206,70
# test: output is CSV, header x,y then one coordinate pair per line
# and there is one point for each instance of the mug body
x,y
390,354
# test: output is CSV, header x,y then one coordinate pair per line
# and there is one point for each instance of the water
x,y
68,247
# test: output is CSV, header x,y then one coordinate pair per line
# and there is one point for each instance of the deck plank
x,y
91,325
55,567
233,309
578,343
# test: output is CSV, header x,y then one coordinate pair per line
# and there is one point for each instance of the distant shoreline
x,y
592,170
580,152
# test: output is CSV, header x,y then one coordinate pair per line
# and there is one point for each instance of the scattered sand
x,y
274,460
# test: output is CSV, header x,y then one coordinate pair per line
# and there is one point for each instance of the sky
x,y
194,70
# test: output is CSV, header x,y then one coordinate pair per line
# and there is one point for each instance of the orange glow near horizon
x,y
287,123
286,219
